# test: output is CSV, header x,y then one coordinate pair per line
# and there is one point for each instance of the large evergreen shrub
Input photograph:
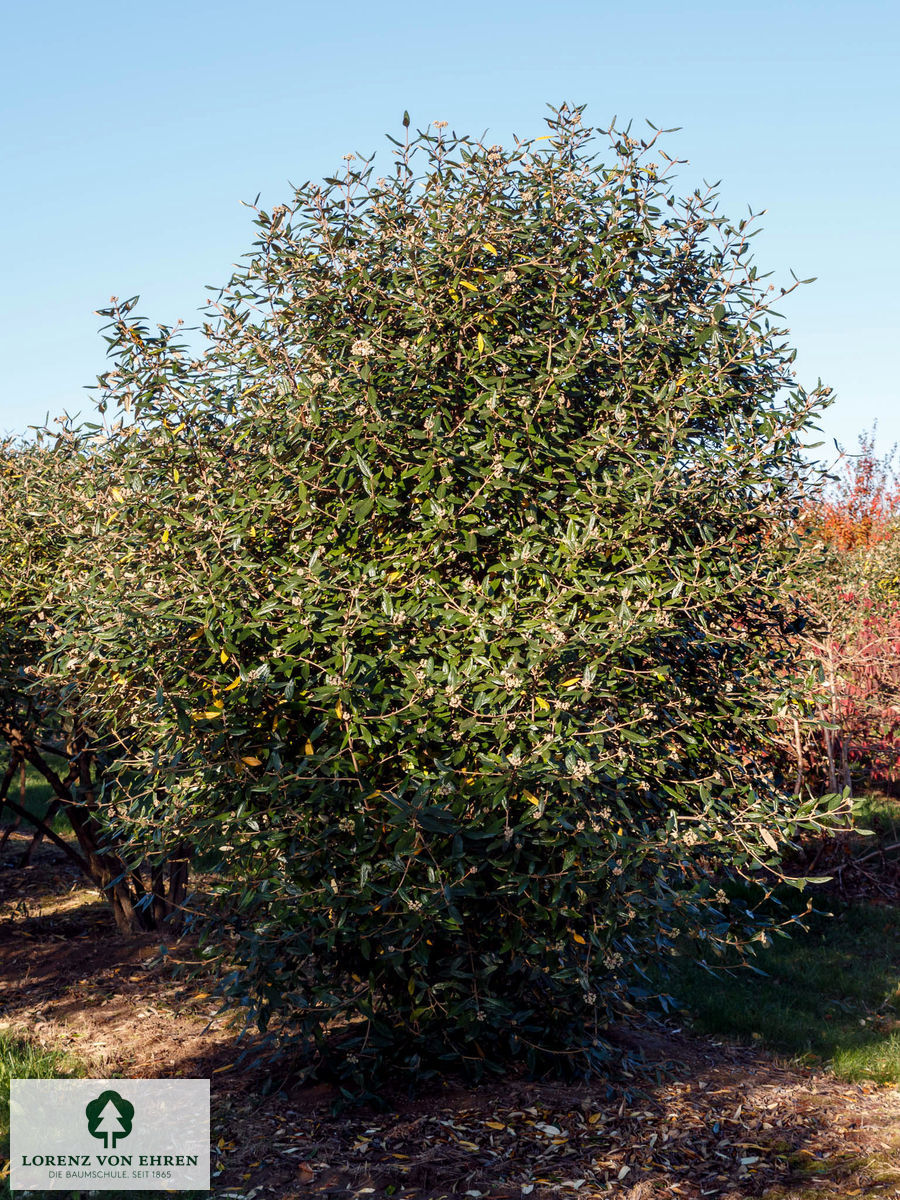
x,y
437,595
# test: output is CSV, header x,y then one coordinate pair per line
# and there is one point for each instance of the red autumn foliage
x,y
858,520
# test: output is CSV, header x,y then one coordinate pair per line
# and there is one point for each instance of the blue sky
x,y
131,133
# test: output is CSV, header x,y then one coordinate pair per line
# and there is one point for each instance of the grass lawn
x,y
830,995
20,1060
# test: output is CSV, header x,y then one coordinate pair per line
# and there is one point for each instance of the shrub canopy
x,y
433,600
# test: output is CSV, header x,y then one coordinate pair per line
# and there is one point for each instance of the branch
x,y
48,833
872,854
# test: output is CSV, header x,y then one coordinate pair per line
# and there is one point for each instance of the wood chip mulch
x,y
688,1118
728,1123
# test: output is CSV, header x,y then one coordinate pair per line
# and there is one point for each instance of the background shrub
x,y
852,588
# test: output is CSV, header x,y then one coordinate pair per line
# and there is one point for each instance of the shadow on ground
x,y
680,1117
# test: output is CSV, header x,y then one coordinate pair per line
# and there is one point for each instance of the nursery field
x,y
779,1084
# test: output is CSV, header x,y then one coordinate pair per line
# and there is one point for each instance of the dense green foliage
x,y
433,603
45,724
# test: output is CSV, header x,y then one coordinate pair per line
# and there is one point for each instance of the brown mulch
x,y
684,1118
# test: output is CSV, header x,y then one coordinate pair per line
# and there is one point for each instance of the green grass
x,y
21,1060
830,995
881,814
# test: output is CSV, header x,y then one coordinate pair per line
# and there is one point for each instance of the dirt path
x,y
697,1118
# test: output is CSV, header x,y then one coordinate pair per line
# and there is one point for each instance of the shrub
x,y
42,717
436,594
853,588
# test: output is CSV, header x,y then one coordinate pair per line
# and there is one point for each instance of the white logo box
x,y
103,1134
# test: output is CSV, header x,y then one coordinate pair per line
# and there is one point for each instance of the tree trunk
x,y
134,907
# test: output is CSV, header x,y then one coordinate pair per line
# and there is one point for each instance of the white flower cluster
x,y
510,679
362,348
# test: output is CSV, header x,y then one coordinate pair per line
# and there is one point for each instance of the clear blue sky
x,y
131,133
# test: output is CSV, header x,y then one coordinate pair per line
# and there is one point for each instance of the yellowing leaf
x,y
175,475
211,713
620,831
165,537
392,576
308,748
479,342
491,250
232,686
251,760
576,937
465,283
542,704
219,703
530,796
571,682
339,710
223,656
768,839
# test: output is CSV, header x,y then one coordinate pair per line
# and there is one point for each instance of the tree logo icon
x,y
109,1116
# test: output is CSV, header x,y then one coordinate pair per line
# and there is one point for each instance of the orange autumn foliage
x,y
858,511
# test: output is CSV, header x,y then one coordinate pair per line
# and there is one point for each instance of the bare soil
x,y
684,1117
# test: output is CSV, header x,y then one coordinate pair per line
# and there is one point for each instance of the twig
x,y
872,854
